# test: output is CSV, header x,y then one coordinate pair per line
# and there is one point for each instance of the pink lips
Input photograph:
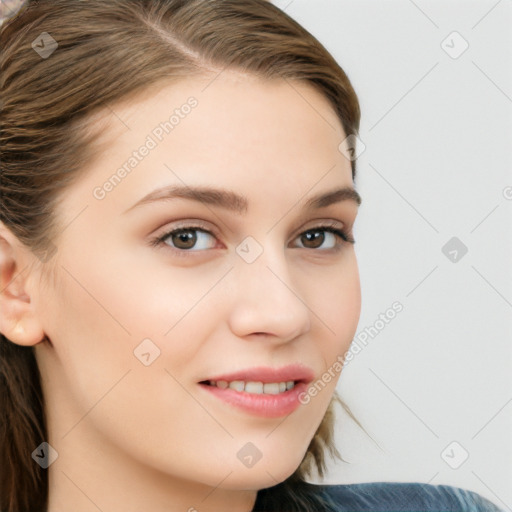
x,y
265,405
268,374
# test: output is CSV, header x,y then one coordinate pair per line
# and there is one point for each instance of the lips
x,y
266,374
259,390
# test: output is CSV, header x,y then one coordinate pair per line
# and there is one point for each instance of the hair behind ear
x,y
23,483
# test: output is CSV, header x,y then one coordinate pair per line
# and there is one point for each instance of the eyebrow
x,y
239,204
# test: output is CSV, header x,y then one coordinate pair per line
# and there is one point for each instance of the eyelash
x,y
160,240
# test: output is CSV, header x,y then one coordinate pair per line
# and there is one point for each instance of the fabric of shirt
x,y
404,497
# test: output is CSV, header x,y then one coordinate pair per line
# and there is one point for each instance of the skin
x,y
132,437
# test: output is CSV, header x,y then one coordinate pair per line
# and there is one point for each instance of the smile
x,y
260,391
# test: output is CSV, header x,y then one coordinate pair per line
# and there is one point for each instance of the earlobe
x,y
26,331
18,320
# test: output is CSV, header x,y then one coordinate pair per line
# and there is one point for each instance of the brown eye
x,y
184,239
188,239
324,238
313,239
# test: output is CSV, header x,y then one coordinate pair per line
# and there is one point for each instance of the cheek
x,y
100,382
107,315
90,334
335,301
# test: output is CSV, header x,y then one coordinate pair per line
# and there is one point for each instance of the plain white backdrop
x,y
433,386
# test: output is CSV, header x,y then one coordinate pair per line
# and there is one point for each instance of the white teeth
x,y
237,385
257,388
271,388
254,387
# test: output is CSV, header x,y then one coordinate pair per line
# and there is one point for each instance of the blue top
x,y
386,497
405,497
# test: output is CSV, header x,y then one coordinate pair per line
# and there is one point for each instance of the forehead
x,y
229,129
231,106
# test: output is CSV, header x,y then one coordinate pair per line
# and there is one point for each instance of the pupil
x,y
186,239
316,236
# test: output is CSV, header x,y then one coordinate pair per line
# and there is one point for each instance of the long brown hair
x,y
107,52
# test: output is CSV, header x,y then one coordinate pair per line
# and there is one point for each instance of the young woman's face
x,y
250,283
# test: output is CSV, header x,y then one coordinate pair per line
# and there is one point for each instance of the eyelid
x,y
319,223
186,224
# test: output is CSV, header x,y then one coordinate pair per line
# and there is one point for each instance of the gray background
x,y
436,165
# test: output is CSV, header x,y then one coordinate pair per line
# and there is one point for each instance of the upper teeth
x,y
271,388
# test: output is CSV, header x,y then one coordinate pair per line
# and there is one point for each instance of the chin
x,y
259,477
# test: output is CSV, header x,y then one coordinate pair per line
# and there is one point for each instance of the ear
x,y
19,322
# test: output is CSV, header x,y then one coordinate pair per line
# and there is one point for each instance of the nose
x,y
265,302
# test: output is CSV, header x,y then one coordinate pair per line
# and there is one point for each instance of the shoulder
x,y
404,496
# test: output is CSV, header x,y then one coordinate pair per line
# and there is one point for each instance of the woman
x,y
177,269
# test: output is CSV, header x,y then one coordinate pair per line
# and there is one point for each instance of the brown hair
x,y
107,52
